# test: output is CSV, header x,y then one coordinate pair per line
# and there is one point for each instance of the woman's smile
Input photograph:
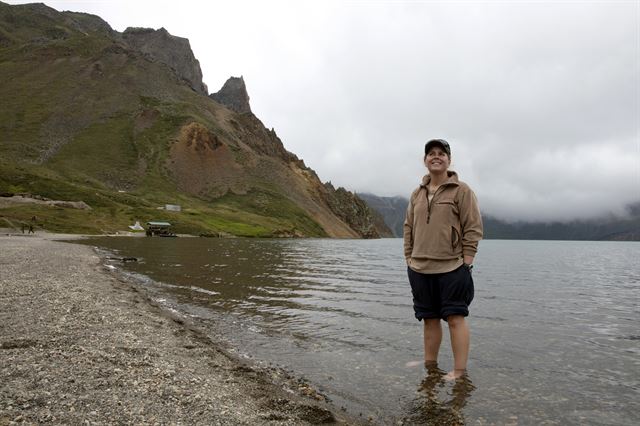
x,y
437,160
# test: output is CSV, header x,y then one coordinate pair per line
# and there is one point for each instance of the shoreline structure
x,y
80,344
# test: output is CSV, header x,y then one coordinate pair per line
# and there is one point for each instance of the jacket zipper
x,y
432,200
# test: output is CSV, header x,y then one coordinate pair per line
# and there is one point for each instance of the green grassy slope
x,y
84,117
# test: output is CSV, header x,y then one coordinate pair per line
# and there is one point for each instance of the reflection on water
x,y
440,402
554,326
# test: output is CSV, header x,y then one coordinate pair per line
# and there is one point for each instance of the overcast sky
x,y
540,100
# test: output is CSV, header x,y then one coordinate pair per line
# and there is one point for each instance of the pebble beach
x,y
81,345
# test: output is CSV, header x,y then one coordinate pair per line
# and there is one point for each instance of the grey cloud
x,y
540,100
525,93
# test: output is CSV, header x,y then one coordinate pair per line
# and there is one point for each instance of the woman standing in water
x,y
442,229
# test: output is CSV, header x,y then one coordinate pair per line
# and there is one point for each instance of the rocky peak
x,y
233,95
36,8
37,22
170,50
86,22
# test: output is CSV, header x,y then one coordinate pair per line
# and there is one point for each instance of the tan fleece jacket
x,y
445,229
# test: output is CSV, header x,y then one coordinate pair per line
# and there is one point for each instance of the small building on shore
x,y
161,229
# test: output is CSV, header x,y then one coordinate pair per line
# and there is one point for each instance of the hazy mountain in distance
x,y
393,211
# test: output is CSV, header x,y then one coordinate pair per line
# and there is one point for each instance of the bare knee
x,y
456,321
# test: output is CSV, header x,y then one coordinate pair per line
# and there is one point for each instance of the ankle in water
x,y
456,373
432,369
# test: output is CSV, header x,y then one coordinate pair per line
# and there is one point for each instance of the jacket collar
x,y
452,180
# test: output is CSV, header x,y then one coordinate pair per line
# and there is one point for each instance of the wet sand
x,y
79,344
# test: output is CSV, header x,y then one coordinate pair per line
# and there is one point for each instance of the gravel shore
x,y
79,345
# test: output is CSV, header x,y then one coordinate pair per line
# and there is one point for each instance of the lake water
x,y
555,325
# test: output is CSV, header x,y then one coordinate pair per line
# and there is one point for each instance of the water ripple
x,y
554,324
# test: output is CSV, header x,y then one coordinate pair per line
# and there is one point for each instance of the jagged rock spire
x,y
233,95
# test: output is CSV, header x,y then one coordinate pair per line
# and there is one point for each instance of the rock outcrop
x,y
86,22
233,95
356,213
175,52
124,122
38,23
262,140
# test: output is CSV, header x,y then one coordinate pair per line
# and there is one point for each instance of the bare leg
x,y
432,339
459,332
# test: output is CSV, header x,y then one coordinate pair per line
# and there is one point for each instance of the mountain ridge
x,y
111,119
610,228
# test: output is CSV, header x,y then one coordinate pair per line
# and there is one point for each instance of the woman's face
x,y
436,160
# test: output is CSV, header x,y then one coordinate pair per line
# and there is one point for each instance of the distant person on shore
x,y
442,229
32,224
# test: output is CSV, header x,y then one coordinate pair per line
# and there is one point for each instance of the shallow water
x,y
555,336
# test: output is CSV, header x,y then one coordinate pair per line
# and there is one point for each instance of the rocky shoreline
x,y
80,345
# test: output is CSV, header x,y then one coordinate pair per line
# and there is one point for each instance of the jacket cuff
x,y
469,251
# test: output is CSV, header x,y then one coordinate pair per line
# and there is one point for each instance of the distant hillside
x,y
610,229
123,123
393,210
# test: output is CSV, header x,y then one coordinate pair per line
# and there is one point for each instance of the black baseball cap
x,y
438,142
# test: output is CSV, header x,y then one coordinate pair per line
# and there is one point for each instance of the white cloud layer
x,y
539,100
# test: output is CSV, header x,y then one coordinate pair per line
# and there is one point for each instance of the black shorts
x,y
441,295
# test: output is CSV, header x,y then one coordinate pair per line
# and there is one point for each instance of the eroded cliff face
x,y
340,212
109,118
355,211
243,158
175,52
